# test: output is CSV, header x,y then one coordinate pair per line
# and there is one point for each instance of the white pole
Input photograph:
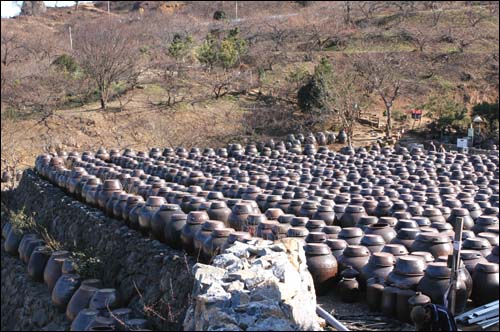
x,y
236,9
108,7
70,39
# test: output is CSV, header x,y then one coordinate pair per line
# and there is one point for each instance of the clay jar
x,y
332,232
119,205
38,260
408,270
480,244
435,283
337,246
235,236
108,188
388,233
352,215
374,290
103,299
133,217
108,209
403,310
80,300
161,218
148,210
352,235
325,213
12,242
53,269
265,229
406,237
239,214
348,286
213,244
461,213
280,231
132,201
195,220
83,319
389,301
374,242
485,283
438,244
203,234
493,257
252,223
321,264
315,225
366,221
173,230
471,258
355,256
379,265
219,211
397,250
64,289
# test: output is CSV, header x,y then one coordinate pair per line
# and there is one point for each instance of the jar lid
x,y
372,240
382,259
438,270
329,229
356,251
336,244
350,232
487,267
317,249
354,209
419,299
410,266
222,232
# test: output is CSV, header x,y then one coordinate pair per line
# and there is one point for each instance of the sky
x,y
13,8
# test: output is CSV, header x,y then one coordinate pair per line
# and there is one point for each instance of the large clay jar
x,y
213,244
406,237
6,230
325,213
132,201
161,218
22,244
461,213
389,301
219,211
108,188
12,242
355,256
193,224
403,310
471,258
493,257
119,205
104,299
352,235
435,284
438,244
480,244
483,222
29,247
252,223
408,270
280,231
108,209
38,260
337,246
239,214
321,264
83,319
146,214
64,289
80,300
265,229
388,233
235,236
315,225
348,286
352,215
485,283
53,269
374,290
374,242
203,234
133,216
173,230
379,265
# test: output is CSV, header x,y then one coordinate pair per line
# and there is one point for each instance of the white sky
x,y
13,8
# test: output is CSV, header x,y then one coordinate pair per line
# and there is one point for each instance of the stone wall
x,y
148,274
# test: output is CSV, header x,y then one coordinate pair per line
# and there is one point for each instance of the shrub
x,y
219,15
66,63
313,96
488,111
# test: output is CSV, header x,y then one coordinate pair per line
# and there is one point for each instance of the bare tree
x,y
383,77
108,53
369,8
437,12
474,15
418,36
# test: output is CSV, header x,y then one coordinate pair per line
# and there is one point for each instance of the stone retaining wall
x,y
145,272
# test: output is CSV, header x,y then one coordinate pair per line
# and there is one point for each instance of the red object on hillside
x,y
416,114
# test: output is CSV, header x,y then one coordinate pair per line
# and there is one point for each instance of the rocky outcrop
x,y
152,279
256,286
33,8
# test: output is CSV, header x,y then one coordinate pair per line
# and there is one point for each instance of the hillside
x,y
450,51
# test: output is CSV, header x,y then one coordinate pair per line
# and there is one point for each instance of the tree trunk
x,y
349,139
103,103
388,127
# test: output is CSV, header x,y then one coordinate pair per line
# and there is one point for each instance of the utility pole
x,y
236,5
70,39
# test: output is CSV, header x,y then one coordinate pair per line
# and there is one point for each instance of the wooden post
x,y
108,9
236,9
70,39
455,265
